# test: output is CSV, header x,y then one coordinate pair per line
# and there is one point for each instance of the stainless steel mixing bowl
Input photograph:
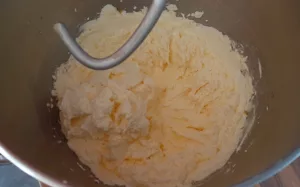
x,y
30,51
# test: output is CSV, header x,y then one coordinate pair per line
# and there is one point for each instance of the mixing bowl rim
x,y
277,167
268,173
28,169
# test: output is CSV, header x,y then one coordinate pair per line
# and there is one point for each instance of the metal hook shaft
x,y
122,53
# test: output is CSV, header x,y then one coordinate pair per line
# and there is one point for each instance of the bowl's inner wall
x,y
30,51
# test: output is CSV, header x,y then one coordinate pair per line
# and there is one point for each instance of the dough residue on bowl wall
x,y
172,113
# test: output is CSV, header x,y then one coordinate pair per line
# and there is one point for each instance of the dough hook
x,y
122,53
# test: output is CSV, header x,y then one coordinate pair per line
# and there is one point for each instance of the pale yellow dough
x,y
171,114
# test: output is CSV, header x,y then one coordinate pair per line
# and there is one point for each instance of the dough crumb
x,y
172,7
197,14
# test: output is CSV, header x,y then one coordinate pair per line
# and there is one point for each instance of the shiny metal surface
x,y
3,160
121,54
30,52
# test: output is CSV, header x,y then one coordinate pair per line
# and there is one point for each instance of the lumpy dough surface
x,y
172,113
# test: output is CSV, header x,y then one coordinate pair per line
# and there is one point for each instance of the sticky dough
x,y
171,114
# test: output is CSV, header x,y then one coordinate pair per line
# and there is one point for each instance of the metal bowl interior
x,y
30,52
